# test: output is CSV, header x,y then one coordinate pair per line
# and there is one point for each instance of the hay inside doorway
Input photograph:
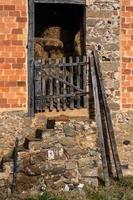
x,y
59,30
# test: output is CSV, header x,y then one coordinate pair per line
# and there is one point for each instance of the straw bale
x,y
53,32
78,43
39,40
40,53
78,50
77,39
56,53
52,42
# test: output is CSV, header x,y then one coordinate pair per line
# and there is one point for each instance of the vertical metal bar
x,y
99,123
43,87
57,84
85,81
64,85
71,81
78,80
31,58
51,85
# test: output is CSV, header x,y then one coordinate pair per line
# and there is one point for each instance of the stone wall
x,y
13,41
63,158
103,33
71,153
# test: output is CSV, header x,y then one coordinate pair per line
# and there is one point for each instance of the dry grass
x,y
119,190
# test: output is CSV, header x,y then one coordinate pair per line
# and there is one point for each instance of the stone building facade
x,y
109,28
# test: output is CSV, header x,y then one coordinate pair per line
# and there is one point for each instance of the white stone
x,y
61,152
51,155
66,188
117,75
81,185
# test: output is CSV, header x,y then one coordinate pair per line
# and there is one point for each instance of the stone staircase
x,y
61,155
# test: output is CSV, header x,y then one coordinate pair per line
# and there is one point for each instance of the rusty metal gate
x,y
60,84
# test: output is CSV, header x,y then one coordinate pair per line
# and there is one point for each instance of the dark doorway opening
x,y
59,30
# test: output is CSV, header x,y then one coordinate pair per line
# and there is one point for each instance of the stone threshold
x,y
78,114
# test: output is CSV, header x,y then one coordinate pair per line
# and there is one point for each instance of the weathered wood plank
x,y
85,81
71,81
43,88
82,2
69,64
99,123
51,85
57,85
38,97
37,83
108,118
78,80
64,84
31,32
41,78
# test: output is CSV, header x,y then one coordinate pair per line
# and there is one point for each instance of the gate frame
x,y
31,34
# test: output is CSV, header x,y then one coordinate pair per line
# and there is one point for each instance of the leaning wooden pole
x,y
108,118
99,123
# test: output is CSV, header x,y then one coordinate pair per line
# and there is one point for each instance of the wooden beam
x,y
108,118
99,122
74,95
80,2
31,59
66,82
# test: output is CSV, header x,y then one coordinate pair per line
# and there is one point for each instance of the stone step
x,y
22,149
35,145
4,175
40,134
50,124
29,140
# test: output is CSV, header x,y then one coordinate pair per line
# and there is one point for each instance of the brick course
x,y
127,54
13,41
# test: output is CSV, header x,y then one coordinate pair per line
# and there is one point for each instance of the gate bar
x,y
51,85
85,81
67,83
57,85
71,81
64,85
78,80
